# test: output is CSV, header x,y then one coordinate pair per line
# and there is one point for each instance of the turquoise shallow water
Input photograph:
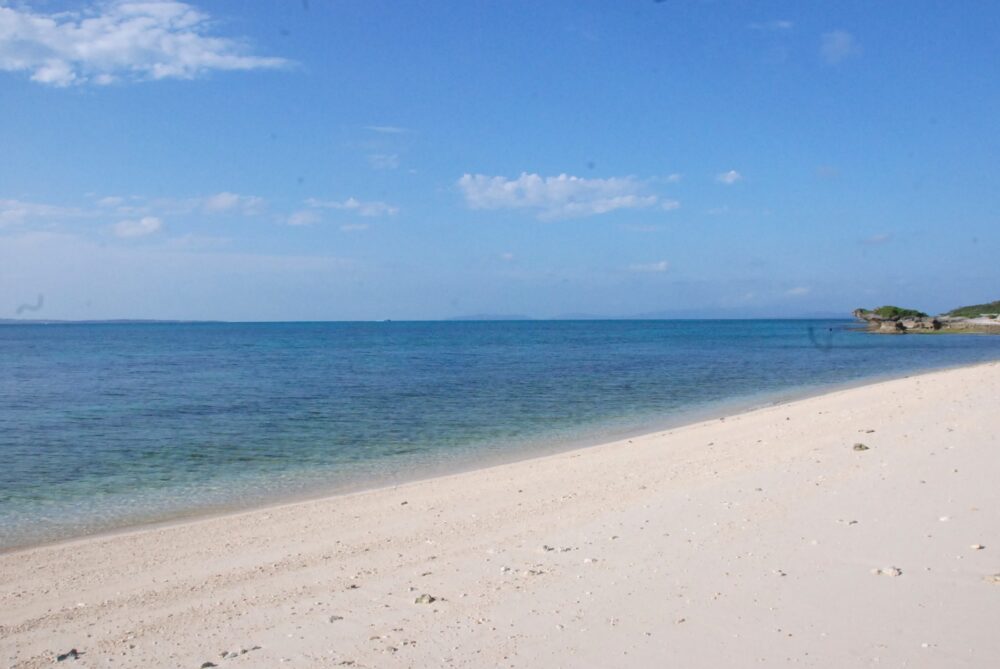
x,y
108,425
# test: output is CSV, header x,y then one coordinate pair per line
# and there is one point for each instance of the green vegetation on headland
x,y
976,310
977,318
891,312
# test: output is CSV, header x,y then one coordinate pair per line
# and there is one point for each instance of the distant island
x,y
975,318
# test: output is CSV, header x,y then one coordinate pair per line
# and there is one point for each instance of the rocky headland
x,y
973,319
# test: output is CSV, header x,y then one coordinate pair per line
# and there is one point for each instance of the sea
x,y
108,426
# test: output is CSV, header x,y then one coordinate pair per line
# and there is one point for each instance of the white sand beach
x,y
760,539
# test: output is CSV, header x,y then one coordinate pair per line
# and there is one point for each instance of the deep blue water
x,y
112,424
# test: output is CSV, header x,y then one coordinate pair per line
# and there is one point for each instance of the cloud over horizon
x,y
14,212
119,41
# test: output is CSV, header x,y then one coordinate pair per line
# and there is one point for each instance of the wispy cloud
x,y
562,196
838,46
384,161
363,208
661,266
231,202
354,227
222,203
772,26
111,201
670,205
729,178
875,240
387,129
141,228
641,228
119,41
798,291
507,257
14,212
303,217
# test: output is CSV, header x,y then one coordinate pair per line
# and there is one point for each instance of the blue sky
x,y
286,160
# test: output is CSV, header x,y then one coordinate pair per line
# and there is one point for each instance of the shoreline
x,y
709,544
536,450
528,451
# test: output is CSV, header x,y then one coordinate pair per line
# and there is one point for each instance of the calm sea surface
x,y
103,426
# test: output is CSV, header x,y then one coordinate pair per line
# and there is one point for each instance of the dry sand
x,y
757,539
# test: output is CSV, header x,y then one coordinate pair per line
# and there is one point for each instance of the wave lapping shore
x,y
856,528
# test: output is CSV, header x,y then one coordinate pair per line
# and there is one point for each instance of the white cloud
x,y
661,266
387,129
119,41
507,257
111,201
231,202
563,196
371,209
729,178
303,217
384,161
354,227
798,291
139,228
838,46
673,178
670,205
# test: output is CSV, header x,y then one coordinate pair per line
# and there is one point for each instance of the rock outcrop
x,y
893,320
895,324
